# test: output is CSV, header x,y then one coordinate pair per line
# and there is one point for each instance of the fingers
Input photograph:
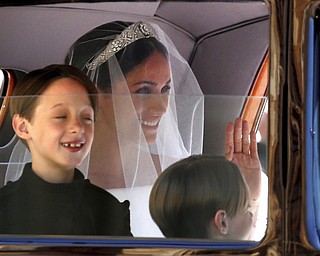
x,y
245,138
253,145
239,139
238,135
229,145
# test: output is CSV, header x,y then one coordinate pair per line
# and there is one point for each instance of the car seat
x,y
8,139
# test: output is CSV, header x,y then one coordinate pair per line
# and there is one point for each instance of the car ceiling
x,y
212,36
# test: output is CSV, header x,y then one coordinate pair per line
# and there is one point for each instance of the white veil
x,y
19,156
180,132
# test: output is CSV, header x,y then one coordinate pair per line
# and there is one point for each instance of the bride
x,y
151,110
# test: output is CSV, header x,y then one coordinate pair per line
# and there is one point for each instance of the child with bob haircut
x,y
202,196
53,112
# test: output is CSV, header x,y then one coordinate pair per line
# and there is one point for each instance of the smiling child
x,y
53,112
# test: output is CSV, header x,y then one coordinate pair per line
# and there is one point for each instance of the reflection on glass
x,y
157,113
141,223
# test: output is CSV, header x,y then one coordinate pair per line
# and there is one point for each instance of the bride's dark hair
x,y
128,57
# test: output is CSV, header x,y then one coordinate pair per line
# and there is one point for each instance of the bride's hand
x,y
241,149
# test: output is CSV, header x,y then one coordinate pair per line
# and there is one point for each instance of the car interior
x,y
226,44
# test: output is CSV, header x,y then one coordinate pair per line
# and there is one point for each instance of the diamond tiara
x,y
131,34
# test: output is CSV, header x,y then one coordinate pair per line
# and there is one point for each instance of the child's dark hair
x,y
188,194
37,81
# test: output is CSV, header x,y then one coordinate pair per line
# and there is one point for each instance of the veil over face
x,y
108,54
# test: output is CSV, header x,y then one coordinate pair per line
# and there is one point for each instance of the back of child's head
x,y
187,195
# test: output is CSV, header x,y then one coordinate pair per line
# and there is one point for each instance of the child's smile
x,y
61,130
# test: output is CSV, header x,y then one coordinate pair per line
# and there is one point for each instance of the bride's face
x,y
149,84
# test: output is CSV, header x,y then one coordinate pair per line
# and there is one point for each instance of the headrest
x,y
8,80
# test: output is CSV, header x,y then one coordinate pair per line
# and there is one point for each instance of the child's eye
x,y
88,119
61,117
